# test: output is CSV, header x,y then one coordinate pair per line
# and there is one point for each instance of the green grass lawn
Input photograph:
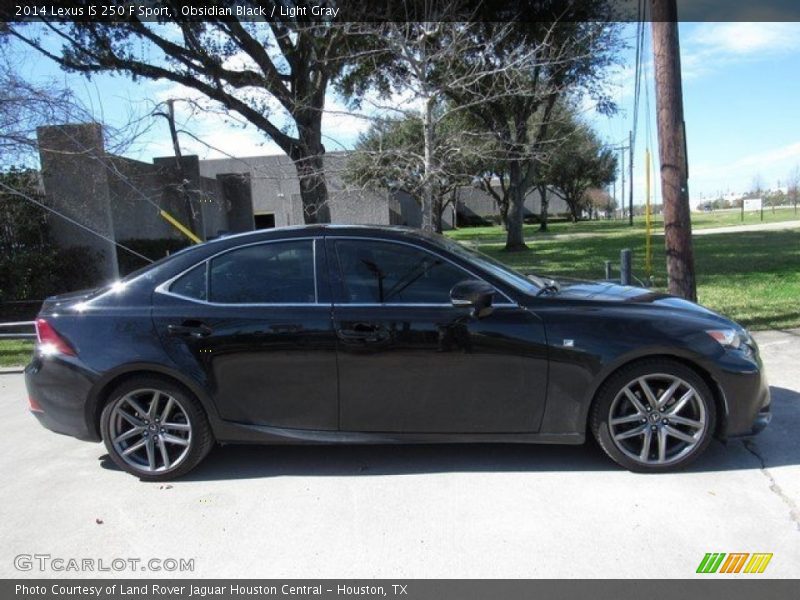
x,y
753,277
15,352
699,221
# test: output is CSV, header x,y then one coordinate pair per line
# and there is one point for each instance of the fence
x,y
17,335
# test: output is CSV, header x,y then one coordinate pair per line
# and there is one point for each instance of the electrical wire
x,y
638,72
24,196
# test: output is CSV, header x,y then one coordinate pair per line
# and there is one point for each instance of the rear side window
x,y
191,284
276,273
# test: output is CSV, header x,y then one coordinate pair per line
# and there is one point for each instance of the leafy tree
x,y
515,63
581,162
31,267
274,74
563,52
600,202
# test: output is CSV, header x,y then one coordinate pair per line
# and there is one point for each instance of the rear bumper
x,y
61,388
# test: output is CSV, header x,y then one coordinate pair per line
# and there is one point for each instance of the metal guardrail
x,y
17,335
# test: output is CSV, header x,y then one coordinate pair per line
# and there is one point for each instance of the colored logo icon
x,y
735,562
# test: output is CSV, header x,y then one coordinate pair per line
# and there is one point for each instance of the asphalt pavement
x,y
404,511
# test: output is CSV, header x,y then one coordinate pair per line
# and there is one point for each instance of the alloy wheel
x,y
657,419
150,431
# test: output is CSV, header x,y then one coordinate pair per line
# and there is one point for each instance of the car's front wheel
x,y
654,415
154,429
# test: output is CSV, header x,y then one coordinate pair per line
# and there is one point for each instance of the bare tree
x,y
391,156
26,106
757,186
413,65
793,185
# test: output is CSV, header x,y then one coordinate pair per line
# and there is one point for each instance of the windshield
x,y
527,285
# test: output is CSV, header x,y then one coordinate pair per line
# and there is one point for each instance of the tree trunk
x,y
515,239
313,189
544,206
672,151
438,211
504,216
573,209
308,163
430,175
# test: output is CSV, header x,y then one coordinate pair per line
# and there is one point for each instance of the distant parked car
x,y
344,334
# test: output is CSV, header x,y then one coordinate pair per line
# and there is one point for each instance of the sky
x,y
741,86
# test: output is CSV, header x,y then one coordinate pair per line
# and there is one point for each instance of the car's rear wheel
x,y
654,415
154,429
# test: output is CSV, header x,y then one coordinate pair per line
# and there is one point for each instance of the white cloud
x,y
747,38
772,165
712,45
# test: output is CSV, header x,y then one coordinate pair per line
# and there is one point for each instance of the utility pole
x,y
672,150
622,186
614,195
630,178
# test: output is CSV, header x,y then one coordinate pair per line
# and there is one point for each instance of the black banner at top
x,y
166,11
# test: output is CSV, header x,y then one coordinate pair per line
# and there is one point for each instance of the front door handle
x,y
192,329
362,332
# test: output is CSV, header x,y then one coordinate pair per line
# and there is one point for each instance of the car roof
x,y
325,229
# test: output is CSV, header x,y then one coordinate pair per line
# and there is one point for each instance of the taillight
x,y
34,405
49,341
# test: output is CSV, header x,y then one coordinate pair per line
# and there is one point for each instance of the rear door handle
x,y
362,332
191,329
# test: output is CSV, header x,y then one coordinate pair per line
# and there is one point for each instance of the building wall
x,y
76,184
134,216
275,189
476,203
120,198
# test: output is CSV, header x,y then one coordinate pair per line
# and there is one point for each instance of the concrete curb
x,y
4,370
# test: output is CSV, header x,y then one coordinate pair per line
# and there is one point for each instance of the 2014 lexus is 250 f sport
x,y
346,334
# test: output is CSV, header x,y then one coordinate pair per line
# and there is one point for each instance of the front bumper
x,y
763,418
61,387
746,394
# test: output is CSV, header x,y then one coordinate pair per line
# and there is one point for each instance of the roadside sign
x,y
752,204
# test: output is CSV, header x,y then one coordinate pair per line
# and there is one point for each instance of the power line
x,y
24,196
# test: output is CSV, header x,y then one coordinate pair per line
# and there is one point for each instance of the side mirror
x,y
474,294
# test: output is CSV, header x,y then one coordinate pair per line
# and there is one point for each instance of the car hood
x,y
601,291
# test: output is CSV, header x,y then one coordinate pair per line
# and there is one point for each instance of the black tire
x,y
185,409
678,453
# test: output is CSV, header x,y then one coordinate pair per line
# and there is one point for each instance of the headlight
x,y
726,337
732,338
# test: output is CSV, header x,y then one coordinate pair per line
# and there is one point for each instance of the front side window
x,y
275,273
382,272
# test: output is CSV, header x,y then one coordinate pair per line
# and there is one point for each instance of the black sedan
x,y
345,334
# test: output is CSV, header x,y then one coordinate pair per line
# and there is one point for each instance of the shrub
x,y
31,266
